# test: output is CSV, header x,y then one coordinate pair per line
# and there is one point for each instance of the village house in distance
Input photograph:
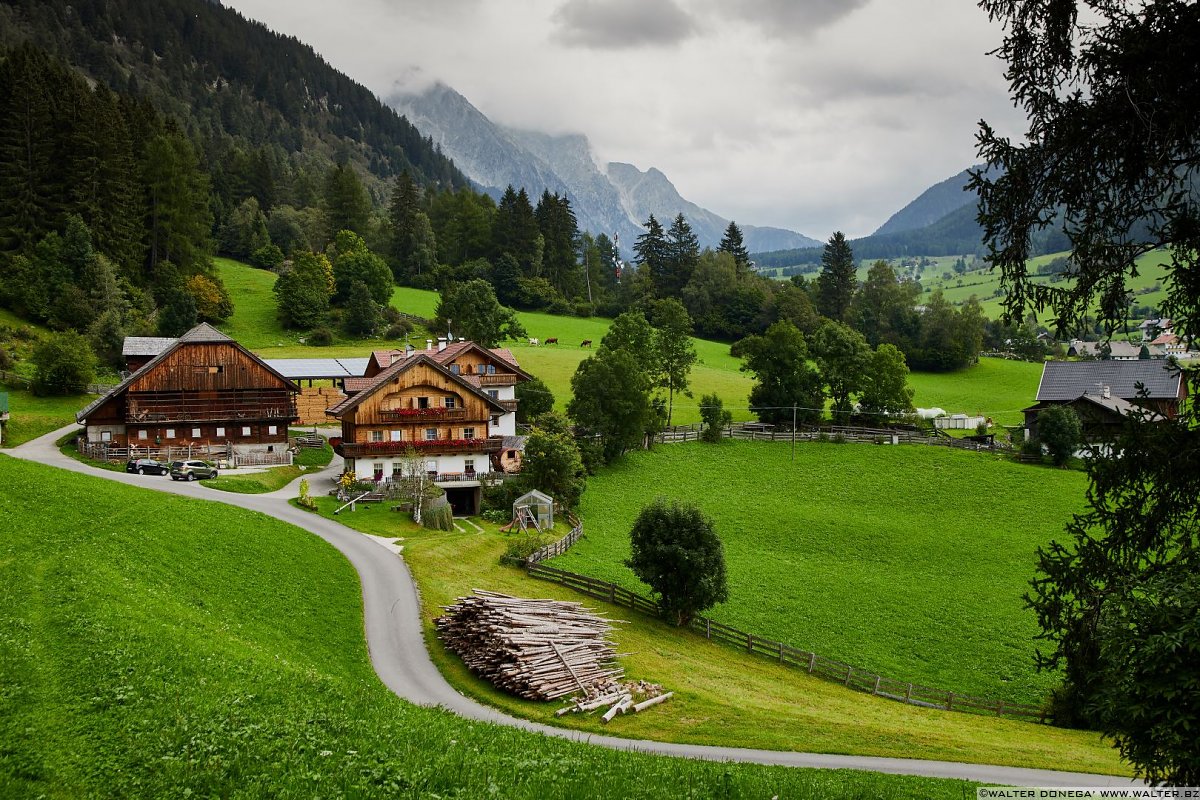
x,y
202,391
455,406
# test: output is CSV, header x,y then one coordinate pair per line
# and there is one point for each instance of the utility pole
x,y
793,431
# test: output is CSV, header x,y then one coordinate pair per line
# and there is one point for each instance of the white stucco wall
x,y
364,467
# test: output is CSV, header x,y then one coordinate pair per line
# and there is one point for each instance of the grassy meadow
x,y
155,646
1002,387
723,695
907,561
31,416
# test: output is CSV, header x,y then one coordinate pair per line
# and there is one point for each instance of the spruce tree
x,y
683,255
836,283
651,252
732,243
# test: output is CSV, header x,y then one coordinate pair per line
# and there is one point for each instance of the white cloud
x,y
815,116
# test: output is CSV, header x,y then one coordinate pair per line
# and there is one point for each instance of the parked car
x,y
147,466
192,470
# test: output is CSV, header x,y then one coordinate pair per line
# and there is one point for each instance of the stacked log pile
x,y
537,649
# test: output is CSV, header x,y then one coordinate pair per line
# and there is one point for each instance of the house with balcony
x,y
453,406
202,391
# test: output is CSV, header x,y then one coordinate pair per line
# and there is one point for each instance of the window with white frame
x,y
143,435
491,369
495,420
272,429
449,402
245,430
468,465
170,433
106,436
455,369
376,436
430,434
397,435
195,433
494,394
468,433
220,432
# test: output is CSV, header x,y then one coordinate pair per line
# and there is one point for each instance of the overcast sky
x,y
814,115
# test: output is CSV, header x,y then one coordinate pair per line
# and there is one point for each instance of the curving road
x,y
394,638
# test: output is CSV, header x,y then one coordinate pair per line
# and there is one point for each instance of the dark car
x,y
192,470
147,466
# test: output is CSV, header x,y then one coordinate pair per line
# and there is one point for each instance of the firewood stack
x,y
537,649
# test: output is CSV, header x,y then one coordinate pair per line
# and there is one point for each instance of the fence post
x,y
750,642
950,701
876,689
849,672
1000,709
812,662
781,652
612,593
908,694
707,628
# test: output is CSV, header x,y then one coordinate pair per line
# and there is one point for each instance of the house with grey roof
x,y
1105,393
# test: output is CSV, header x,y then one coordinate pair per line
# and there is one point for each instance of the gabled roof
x,y
401,366
385,358
145,345
201,334
1067,380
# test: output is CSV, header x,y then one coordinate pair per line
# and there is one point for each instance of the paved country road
x,y
398,654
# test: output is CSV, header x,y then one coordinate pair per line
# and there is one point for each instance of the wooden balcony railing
x,y
179,407
422,414
509,405
497,380
431,447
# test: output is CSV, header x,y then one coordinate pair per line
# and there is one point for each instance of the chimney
x,y
429,344
1106,392
441,343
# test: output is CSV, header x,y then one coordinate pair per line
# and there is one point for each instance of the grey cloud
x,y
782,19
617,24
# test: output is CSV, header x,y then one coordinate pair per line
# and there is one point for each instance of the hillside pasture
x,y
160,646
31,416
723,696
908,561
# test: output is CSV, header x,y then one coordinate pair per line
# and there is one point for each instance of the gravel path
x,y
398,654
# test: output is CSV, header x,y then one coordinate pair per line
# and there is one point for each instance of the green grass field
x,y
985,283
31,416
254,324
907,561
723,696
159,646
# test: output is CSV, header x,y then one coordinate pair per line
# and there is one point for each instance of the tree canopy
x,y
675,550
1111,158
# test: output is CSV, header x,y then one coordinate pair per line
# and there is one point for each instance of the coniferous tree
x,y
413,250
683,255
836,283
27,153
178,221
732,243
651,252
515,232
362,312
346,204
560,239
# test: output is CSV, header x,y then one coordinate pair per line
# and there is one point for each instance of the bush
x,y
583,309
497,516
715,417
525,545
1059,429
6,361
501,496
64,364
392,315
399,330
320,337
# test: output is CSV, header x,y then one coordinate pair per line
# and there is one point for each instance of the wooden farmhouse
x,y
202,391
1104,393
454,407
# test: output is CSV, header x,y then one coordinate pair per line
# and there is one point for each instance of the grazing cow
x,y
533,342
586,343
552,340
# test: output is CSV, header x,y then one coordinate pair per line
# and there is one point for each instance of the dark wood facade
x,y
203,389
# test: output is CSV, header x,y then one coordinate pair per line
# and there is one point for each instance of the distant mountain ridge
x,y
931,205
615,200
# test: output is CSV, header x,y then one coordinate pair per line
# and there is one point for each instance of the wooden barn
x,y
202,390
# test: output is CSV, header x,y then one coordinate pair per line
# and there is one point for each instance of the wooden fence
x,y
557,548
101,451
839,433
846,674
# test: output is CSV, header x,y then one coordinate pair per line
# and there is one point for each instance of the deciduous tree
x,y
675,551
473,312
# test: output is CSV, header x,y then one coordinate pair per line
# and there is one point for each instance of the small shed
x,y
535,508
